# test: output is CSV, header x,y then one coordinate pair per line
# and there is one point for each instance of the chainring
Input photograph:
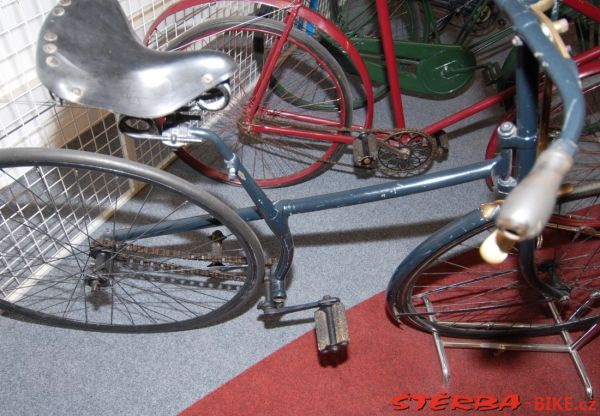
x,y
405,153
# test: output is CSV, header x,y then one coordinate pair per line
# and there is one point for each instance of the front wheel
x,y
104,244
445,287
317,99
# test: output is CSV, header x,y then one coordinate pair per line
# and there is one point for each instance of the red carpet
x,y
384,362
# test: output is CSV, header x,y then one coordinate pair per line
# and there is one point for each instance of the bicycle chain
x,y
140,255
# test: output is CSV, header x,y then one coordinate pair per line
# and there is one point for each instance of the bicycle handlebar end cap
x,y
495,248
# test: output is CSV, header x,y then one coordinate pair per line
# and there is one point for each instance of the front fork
x,y
519,150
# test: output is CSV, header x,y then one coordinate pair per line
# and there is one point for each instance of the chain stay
x,y
348,130
141,255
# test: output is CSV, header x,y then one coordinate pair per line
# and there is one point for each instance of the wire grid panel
x,y
28,115
176,24
29,118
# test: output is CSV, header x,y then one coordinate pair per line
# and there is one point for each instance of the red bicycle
x,y
292,104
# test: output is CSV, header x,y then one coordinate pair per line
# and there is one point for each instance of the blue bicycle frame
x,y
514,162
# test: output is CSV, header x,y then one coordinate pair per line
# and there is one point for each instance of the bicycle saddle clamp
x,y
88,54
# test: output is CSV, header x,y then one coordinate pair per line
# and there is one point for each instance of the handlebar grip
x,y
529,206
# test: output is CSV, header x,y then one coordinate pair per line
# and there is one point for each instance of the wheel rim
x,y
273,160
63,265
460,295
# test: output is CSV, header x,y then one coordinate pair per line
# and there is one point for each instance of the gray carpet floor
x,y
350,253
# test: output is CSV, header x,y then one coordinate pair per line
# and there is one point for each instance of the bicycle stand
x,y
571,347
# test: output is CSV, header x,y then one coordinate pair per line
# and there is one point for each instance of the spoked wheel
x,y
98,243
358,20
455,293
314,84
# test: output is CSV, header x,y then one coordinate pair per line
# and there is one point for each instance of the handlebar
x,y
529,206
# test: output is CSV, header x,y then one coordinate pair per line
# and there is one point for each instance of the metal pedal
x,y
331,327
443,146
491,73
364,151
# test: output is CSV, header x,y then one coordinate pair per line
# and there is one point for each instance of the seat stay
x,y
88,54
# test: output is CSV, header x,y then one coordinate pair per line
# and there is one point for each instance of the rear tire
x,y
81,246
316,99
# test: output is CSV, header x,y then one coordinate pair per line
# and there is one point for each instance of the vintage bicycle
x,y
281,123
105,244
422,41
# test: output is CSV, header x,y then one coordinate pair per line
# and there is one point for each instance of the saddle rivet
x,y
50,48
58,11
76,91
52,61
65,2
50,37
207,79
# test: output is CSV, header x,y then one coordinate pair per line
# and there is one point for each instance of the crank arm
x,y
272,312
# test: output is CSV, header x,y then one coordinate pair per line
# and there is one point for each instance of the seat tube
x,y
274,214
271,62
389,52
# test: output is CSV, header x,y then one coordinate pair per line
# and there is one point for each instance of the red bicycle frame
x,y
297,10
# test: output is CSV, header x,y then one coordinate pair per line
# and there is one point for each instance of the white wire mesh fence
x,y
36,201
28,116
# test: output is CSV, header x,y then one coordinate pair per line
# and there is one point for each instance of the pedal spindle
x,y
331,327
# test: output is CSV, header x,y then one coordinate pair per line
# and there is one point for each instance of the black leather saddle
x,y
88,54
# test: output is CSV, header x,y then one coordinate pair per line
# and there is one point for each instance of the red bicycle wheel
x,y
307,92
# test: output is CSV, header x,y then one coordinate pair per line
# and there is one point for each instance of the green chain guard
x,y
425,69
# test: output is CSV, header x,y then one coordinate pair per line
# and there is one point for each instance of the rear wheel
x,y
98,243
308,91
